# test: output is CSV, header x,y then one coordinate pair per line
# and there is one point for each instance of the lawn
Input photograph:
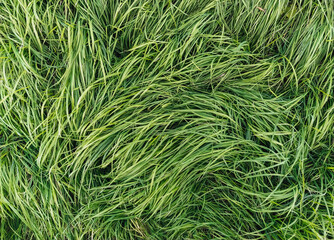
x,y
166,119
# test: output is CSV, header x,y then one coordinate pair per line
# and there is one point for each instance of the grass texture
x,y
166,119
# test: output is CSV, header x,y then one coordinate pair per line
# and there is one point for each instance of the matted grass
x,y
166,119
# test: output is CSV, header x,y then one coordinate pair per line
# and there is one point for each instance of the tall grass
x,y
166,119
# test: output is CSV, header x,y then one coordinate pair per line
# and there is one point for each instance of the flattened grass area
x,y
166,119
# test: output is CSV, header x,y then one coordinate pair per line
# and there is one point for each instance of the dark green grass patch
x,y
147,119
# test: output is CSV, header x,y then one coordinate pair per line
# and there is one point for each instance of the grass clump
x,y
146,119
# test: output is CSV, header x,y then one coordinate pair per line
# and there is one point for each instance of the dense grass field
x,y
166,119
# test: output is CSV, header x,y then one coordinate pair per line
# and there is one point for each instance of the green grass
x,y
166,119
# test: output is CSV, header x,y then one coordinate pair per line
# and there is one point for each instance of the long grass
x,y
166,119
